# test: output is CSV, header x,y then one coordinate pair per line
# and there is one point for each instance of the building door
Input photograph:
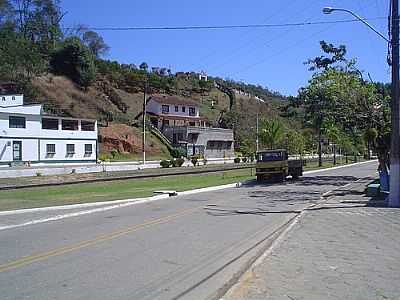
x,y
17,150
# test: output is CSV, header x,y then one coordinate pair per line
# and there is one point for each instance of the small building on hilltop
x,y
179,120
28,135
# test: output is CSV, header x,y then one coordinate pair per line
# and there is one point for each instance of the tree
x,y
370,136
74,60
295,142
332,132
6,13
143,66
95,43
271,133
19,59
335,55
39,21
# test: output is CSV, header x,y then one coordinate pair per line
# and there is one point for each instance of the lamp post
x,y
394,196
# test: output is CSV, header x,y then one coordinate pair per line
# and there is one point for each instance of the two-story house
x,y
170,111
180,121
27,134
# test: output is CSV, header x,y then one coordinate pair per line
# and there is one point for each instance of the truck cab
x,y
275,164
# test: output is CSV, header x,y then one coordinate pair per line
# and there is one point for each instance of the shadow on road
x,y
224,212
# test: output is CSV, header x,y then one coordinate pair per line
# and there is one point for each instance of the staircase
x,y
163,139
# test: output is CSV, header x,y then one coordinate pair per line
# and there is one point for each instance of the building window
x,y
50,124
183,109
70,149
192,111
13,98
3,98
176,108
165,109
87,126
17,122
69,124
51,148
88,149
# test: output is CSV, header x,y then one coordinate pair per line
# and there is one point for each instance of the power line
x,y
146,28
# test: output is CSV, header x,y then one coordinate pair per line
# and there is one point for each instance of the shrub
x,y
38,174
114,153
176,152
252,157
236,160
244,159
165,163
205,161
179,162
104,157
194,160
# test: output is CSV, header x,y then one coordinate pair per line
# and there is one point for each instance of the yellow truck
x,y
275,164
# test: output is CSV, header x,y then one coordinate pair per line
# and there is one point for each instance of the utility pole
x,y
394,196
257,133
144,122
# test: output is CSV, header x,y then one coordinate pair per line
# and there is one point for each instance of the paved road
x,y
185,247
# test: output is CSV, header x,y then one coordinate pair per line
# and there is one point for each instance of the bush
x,y
180,162
177,162
104,157
205,161
244,159
236,160
114,153
177,153
165,163
194,160
252,158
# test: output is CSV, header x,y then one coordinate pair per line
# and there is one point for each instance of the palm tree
x,y
271,133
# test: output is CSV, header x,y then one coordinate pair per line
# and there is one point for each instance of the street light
x,y
394,196
329,10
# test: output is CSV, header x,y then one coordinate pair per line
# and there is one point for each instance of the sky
x,y
271,57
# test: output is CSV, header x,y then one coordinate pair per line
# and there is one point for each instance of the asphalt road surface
x,y
186,247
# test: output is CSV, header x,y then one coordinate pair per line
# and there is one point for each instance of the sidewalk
x,y
345,248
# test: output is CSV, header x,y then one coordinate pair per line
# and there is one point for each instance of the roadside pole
x,y
257,133
394,196
144,123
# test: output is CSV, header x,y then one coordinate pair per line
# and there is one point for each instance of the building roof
x,y
165,99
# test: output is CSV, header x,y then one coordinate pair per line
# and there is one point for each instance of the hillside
x,y
117,103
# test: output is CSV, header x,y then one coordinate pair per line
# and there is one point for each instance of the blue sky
x,y
272,57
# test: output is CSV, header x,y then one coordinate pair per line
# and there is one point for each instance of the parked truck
x,y
276,165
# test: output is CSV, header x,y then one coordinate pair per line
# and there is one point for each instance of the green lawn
x,y
114,190
121,189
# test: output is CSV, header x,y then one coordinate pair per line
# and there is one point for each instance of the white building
x,y
167,111
28,135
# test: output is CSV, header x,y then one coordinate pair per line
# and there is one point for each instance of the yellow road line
x,y
67,249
